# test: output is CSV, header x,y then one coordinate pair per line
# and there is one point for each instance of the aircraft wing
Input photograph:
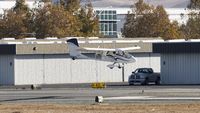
x,y
129,48
110,49
98,49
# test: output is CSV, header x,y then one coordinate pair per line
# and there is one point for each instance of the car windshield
x,y
145,71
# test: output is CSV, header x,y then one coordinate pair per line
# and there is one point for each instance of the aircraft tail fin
x,y
74,49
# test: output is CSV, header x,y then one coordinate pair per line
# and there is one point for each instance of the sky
x,y
127,3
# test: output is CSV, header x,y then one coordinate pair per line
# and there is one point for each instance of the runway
x,y
114,93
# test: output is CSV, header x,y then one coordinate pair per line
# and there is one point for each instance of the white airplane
x,y
117,55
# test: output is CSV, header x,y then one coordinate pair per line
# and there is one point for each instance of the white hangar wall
x,y
58,69
180,68
28,69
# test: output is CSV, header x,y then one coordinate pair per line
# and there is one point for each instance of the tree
x,y
20,6
72,5
194,4
2,27
132,26
49,20
55,21
148,21
89,21
192,29
16,21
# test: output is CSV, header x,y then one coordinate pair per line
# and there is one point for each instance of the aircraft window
x,y
110,53
121,53
128,56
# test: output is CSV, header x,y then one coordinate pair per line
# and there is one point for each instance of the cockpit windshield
x,y
120,53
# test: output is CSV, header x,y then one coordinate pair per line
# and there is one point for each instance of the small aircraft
x,y
116,55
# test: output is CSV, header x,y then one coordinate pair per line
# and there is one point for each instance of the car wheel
x,y
157,81
146,82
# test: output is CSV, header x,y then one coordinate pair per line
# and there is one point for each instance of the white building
x,y
180,15
24,62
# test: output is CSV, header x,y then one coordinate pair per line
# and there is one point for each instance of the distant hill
x,y
127,3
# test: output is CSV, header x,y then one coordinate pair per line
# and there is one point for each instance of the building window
x,y
110,27
106,16
106,12
106,27
102,17
110,17
114,17
108,24
102,27
114,27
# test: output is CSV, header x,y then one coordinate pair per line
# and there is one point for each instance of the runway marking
x,y
128,97
151,98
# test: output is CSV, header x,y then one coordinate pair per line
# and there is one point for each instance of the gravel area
x,y
100,108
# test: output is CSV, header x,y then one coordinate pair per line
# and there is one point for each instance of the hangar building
x,y
31,61
180,62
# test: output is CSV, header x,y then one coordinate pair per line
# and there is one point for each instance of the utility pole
x,y
123,73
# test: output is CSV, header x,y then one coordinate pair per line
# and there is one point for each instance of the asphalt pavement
x,y
113,93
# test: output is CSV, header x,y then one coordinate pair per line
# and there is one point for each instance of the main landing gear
x,y
111,66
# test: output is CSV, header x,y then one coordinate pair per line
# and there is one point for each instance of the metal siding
x,y
29,69
176,47
6,69
180,68
84,71
164,68
56,69
106,74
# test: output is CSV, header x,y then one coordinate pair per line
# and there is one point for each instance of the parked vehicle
x,y
144,76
